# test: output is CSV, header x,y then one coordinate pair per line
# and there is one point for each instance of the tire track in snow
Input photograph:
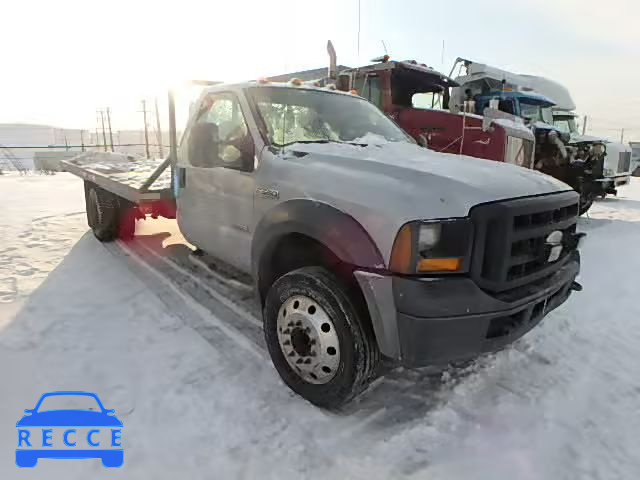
x,y
399,394
203,313
238,310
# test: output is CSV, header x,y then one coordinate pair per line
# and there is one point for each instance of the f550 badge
x,y
82,429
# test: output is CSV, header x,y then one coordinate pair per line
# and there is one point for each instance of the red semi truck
x,y
416,97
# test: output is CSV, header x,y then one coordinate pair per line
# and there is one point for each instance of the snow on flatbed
x,y
127,173
176,349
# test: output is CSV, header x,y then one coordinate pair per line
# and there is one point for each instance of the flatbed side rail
x,y
137,193
156,173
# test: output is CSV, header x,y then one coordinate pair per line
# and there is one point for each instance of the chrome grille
x,y
624,162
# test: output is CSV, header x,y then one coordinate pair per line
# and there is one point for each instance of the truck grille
x,y
511,246
624,162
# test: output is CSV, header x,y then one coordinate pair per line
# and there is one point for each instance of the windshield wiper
x,y
324,140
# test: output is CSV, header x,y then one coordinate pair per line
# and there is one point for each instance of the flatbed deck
x,y
136,179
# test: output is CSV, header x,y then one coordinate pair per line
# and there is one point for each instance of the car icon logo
x,y
88,430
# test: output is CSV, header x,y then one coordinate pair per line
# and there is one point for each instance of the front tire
x,y
318,337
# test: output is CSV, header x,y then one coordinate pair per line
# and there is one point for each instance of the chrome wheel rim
x,y
308,339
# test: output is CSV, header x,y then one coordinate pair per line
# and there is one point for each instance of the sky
x,y
64,59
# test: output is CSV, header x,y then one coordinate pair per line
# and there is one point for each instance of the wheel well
x,y
296,250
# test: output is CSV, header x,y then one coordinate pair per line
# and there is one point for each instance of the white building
x,y
20,142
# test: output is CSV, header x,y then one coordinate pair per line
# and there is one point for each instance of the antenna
x,y
359,1
385,47
284,114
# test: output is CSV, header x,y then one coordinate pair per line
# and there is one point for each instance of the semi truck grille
x,y
624,162
520,241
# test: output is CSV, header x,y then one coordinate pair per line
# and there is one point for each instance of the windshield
x,y
293,115
565,124
547,115
530,111
536,112
430,100
69,402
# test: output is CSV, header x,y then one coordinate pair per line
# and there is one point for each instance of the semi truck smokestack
x,y
333,65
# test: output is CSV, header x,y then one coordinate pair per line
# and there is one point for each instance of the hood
x,y
69,418
617,160
586,138
415,176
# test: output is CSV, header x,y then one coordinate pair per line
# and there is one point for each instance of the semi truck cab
x,y
617,165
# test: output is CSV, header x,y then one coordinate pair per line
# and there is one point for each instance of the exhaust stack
x,y
333,64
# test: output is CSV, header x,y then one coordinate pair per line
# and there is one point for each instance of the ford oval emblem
x,y
554,240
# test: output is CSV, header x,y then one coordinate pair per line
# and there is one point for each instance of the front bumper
x,y
439,320
613,181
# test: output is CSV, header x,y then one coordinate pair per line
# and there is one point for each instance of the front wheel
x,y
318,337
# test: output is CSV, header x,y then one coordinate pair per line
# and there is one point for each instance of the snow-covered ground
x,y
178,353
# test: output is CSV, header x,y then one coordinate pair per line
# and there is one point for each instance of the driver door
x,y
216,203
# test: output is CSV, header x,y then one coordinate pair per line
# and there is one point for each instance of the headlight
x,y
432,247
607,172
428,236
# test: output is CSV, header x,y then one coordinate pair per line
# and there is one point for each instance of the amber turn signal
x,y
401,253
439,264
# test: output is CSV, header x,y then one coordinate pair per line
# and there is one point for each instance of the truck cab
x,y
617,165
530,106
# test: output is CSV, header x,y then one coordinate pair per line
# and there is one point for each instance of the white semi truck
x,y
617,160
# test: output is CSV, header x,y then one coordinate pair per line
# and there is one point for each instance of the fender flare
x,y
335,229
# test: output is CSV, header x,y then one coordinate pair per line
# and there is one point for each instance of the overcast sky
x,y
64,59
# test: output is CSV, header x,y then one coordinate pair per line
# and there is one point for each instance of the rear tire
x,y
108,215
329,375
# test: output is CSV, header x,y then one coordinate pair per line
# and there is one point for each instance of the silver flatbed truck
x,y
361,244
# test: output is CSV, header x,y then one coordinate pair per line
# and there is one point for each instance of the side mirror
x,y
203,145
423,141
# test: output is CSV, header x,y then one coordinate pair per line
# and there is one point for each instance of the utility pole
x,y
109,123
82,140
97,136
622,136
146,128
104,133
159,132
584,124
